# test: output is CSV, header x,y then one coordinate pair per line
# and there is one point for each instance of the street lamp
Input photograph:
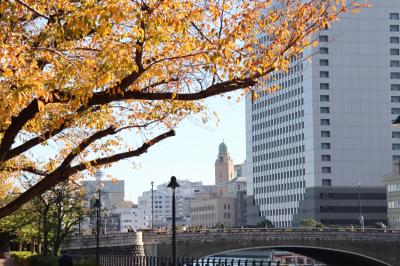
x,y
360,217
97,205
173,185
152,205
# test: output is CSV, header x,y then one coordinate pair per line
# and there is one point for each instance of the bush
x,y
26,258
21,257
86,262
39,260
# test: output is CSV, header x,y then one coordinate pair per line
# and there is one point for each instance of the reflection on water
x,y
263,256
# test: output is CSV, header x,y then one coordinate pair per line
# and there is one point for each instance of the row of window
x,y
279,165
277,121
277,142
202,208
281,75
352,209
278,109
282,175
277,98
278,154
394,204
281,187
393,188
280,199
324,98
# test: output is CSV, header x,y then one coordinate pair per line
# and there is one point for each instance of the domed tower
x,y
224,167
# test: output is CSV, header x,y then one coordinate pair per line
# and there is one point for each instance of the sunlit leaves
x,y
80,59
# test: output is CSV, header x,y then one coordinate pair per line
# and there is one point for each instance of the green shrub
x,y
39,260
21,257
86,262
26,258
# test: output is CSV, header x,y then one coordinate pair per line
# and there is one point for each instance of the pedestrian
x,y
65,260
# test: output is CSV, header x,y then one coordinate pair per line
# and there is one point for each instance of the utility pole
x,y
152,205
98,226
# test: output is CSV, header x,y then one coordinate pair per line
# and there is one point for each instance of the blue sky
x,y
191,153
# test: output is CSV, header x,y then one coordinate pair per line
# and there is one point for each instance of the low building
x,y
253,215
213,211
343,205
392,184
132,219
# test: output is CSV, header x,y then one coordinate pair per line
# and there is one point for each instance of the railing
x,y
167,261
286,229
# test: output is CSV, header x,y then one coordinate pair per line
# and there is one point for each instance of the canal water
x,y
265,255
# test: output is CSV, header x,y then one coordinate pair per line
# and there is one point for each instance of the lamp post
x,y
360,217
97,205
173,185
152,205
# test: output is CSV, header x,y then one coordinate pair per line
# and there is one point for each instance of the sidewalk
x,y
6,262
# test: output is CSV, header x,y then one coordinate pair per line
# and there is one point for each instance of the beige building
x,y
392,184
213,211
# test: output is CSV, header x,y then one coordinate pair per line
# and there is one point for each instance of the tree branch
x,y
17,124
60,175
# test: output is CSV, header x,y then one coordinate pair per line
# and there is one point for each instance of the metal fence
x,y
167,261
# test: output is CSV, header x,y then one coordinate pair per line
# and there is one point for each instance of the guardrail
x,y
167,261
286,229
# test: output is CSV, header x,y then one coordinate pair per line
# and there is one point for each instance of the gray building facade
x,y
343,205
392,184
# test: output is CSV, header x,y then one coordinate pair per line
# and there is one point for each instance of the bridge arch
x,y
326,255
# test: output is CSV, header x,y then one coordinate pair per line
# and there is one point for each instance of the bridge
x,y
331,246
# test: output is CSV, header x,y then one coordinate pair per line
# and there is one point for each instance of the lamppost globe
x,y
173,183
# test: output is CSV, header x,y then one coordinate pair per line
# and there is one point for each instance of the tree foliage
x,y
47,219
76,74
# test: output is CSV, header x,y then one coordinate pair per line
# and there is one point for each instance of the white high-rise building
x,y
329,124
162,202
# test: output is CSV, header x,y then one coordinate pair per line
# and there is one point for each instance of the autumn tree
x,y
76,75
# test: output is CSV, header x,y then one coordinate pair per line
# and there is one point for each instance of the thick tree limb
x,y
17,124
60,175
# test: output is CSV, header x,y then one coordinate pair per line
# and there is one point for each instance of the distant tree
x,y
265,224
77,75
310,223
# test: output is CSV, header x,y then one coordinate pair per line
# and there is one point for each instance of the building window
x,y
325,146
324,110
394,51
324,86
396,134
324,38
325,134
325,158
324,74
394,28
394,63
326,170
395,99
324,62
327,182
324,50
394,16
325,122
394,40
396,146
395,111
395,87
395,75
324,98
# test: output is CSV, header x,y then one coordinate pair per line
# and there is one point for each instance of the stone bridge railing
x,y
211,235
378,244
